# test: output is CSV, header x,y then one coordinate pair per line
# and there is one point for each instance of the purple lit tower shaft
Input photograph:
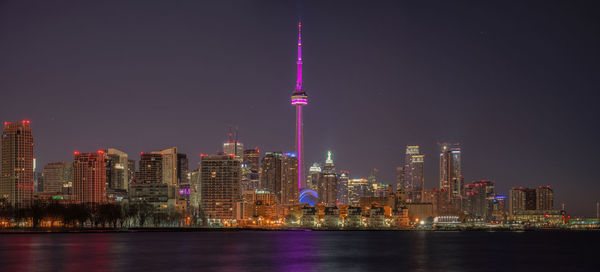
x,y
299,99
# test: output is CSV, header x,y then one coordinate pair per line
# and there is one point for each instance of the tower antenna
x,y
299,99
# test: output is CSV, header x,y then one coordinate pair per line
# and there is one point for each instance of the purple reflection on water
x,y
298,251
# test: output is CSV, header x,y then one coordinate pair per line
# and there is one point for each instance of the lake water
x,y
301,251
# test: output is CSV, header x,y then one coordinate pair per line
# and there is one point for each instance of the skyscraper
x,y
289,176
313,176
270,179
220,177
89,177
342,187
451,178
357,188
56,176
251,169
279,176
16,184
299,99
327,185
414,174
151,169
479,196
182,168
169,165
117,177
252,159
544,198
131,170
522,199
400,178
233,146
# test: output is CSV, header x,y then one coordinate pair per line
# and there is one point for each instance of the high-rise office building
x,y
195,191
314,172
16,185
89,177
150,169
327,184
252,159
357,188
280,176
544,198
270,179
220,177
131,171
299,100
117,176
400,178
479,196
233,146
451,178
342,187
251,169
414,174
522,199
527,199
289,179
499,208
182,168
56,176
169,165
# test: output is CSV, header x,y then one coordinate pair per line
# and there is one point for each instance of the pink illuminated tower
x,y
299,99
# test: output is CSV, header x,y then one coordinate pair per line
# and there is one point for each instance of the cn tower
x,y
299,99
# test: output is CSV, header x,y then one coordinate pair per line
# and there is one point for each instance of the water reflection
x,y
297,251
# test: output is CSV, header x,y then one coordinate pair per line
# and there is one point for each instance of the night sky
x,y
515,83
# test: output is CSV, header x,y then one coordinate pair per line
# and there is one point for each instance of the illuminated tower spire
x,y
299,60
299,99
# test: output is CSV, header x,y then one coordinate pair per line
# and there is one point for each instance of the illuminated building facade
x,y
220,177
169,165
89,177
233,146
117,176
312,179
151,169
159,195
270,179
522,199
544,198
400,178
327,184
299,99
479,197
499,207
251,169
357,188
16,185
56,176
252,159
131,170
182,168
342,187
414,174
289,179
451,178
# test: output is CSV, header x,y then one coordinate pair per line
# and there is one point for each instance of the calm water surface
x,y
302,251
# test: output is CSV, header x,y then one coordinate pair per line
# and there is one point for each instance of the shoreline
x,y
145,230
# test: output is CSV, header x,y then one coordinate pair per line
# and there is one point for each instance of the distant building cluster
x,y
244,187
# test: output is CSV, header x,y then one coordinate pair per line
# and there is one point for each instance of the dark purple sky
x,y
514,82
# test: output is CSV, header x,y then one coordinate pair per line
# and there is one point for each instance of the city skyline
x,y
517,153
